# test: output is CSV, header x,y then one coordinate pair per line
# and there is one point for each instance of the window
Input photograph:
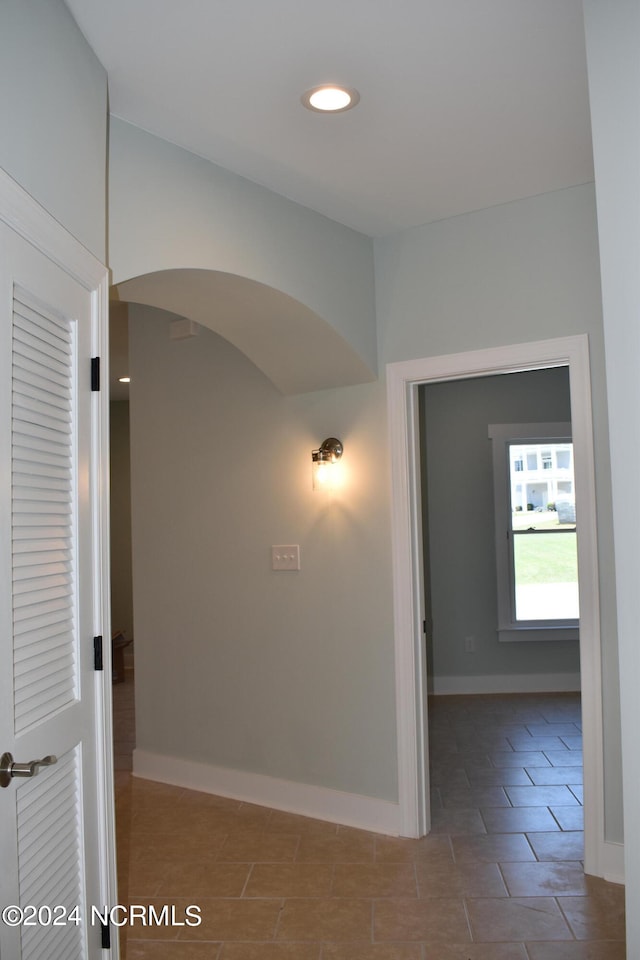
x,y
535,525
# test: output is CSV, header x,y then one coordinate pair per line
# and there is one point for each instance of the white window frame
x,y
502,435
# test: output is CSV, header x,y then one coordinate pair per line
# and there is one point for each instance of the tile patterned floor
x,y
499,878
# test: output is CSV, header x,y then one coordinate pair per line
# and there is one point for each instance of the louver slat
x,y
43,531
56,396
50,870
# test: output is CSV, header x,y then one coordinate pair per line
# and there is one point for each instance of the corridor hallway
x,y
499,877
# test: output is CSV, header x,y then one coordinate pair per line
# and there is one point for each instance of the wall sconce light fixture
x,y
323,461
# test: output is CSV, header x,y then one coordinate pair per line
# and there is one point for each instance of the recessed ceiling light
x,y
330,98
124,379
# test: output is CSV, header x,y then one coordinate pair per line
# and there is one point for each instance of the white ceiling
x,y
464,103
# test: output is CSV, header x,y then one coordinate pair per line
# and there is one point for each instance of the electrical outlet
x,y
285,557
470,644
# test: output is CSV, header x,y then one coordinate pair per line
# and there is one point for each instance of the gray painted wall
x,y
169,209
53,116
285,674
459,481
613,38
121,583
515,273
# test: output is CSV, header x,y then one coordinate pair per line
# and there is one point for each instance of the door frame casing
x,y
30,221
403,380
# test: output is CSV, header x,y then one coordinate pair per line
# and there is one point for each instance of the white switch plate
x,y
285,557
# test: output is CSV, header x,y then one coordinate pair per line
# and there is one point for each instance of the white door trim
x,y
32,222
403,380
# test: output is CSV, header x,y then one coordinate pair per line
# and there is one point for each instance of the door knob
x,y
9,769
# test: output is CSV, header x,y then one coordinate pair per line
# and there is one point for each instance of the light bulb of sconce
x,y
321,472
325,461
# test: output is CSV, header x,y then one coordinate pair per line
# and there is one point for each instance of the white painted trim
x,y
403,380
29,220
613,862
35,225
502,435
508,683
321,803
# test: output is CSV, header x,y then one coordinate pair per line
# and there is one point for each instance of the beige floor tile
x,y
542,796
460,880
181,846
456,822
338,919
152,950
434,921
263,847
454,778
371,951
492,848
466,798
276,886
537,743
595,918
290,880
239,824
430,849
557,846
336,849
194,801
142,878
512,759
270,951
156,925
518,819
476,951
511,919
545,776
605,950
545,879
281,822
231,919
374,880
564,758
500,776
202,880
553,729
569,818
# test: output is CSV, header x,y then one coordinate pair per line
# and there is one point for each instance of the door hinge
x,y
95,373
424,626
106,935
98,663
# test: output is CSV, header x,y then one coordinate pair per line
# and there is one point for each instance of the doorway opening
x,y
501,605
120,530
404,380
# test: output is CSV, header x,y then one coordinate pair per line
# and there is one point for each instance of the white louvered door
x,y
55,847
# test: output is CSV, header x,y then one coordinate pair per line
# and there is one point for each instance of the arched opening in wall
x,y
291,346
234,669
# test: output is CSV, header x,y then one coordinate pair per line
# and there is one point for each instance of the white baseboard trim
x,y
321,803
508,683
613,862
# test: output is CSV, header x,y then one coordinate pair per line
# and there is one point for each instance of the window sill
x,y
520,634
